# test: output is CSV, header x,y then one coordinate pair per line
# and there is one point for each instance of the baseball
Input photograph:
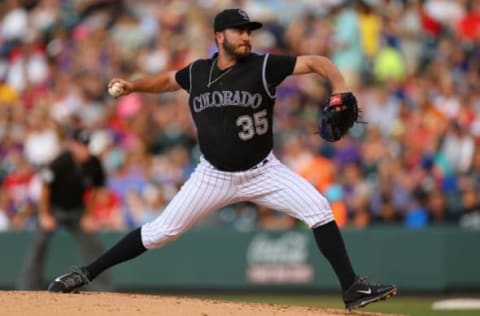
x,y
115,90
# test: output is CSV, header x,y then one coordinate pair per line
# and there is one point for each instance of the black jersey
x,y
233,109
68,180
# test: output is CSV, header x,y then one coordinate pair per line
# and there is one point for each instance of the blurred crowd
x,y
413,65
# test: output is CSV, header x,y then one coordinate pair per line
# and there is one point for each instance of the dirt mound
x,y
21,303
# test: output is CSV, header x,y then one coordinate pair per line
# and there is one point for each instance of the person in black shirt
x,y
231,99
62,204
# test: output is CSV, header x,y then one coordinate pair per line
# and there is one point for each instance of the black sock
x,y
330,242
127,248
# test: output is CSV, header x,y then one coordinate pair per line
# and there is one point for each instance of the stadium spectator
x,y
423,109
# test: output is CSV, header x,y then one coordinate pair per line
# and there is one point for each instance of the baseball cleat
x,y
361,293
69,282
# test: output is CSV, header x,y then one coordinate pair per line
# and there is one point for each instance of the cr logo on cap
x,y
243,14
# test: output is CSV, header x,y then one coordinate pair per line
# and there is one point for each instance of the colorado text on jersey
x,y
226,98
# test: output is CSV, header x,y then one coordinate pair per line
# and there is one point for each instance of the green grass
x,y
403,305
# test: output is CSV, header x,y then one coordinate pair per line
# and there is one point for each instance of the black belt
x,y
260,164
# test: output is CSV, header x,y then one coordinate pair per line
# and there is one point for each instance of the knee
x,y
158,236
319,219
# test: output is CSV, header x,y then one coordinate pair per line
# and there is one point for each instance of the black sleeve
x,y
278,68
183,78
49,173
99,177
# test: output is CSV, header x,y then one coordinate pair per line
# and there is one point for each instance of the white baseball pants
x,y
208,189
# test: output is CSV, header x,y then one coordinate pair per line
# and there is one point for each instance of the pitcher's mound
x,y
118,304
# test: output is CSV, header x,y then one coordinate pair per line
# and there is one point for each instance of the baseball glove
x,y
338,116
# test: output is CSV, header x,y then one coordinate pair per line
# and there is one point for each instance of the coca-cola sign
x,y
279,260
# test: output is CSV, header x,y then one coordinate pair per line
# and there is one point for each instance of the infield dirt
x,y
29,303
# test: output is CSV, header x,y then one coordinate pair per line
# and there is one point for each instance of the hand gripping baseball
x,y
119,87
338,116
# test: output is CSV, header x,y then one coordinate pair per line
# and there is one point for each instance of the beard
x,y
236,50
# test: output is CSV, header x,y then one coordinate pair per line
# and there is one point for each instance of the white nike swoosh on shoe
x,y
368,292
58,279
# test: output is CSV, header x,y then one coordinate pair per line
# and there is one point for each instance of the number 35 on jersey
x,y
252,125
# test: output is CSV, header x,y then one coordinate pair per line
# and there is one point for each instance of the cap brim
x,y
254,25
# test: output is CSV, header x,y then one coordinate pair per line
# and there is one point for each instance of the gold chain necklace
x,y
210,82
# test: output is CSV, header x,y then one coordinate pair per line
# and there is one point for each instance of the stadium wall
x,y
437,259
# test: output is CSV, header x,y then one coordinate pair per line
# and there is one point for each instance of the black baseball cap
x,y
232,18
81,136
